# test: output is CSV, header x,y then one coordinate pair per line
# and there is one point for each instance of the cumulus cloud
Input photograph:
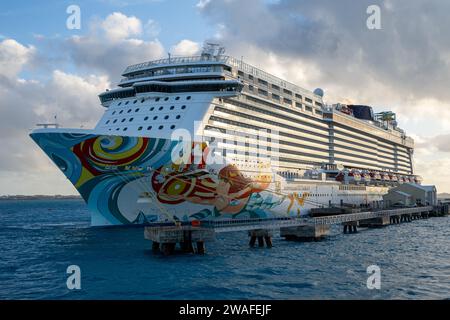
x,y
118,26
48,89
186,48
13,56
112,44
332,36
23,103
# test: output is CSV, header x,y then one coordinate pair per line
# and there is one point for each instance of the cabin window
x,y
166,117
172,127
155,117
161,127
149,127
140,129
183,107
263,82
262,92
178,116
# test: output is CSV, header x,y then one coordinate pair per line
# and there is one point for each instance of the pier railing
x,y
275,223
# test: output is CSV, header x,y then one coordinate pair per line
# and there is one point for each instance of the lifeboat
x,y
418,179
342,176
385,177
393,177
355,176
375,176
366,177
401,179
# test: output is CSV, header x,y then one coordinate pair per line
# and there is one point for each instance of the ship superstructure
x,y
282,149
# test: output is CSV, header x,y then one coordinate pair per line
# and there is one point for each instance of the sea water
x,y
39,240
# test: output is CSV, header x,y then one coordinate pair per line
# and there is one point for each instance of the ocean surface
x,y
40,239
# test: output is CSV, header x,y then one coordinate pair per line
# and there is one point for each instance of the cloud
x,y
98,58
186,48
118,26
13,56
332,36
23,103
152,28
113,44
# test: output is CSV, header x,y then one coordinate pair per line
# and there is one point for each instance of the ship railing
x,y
230,61
175,60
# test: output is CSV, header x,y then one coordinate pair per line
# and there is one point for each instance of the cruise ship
x,y
210,137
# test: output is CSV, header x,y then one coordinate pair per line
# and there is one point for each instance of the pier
x,y
191,238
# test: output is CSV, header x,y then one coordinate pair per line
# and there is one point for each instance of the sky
x,y
48,69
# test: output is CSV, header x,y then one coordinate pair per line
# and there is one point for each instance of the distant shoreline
x,y
39,197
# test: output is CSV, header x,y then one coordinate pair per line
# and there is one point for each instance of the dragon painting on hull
x,y
114,174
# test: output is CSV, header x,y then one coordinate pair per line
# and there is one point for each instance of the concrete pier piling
x,y
375,222
351,227
262,236
305,232
165,239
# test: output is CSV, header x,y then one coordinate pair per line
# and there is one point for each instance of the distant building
x,y
409,194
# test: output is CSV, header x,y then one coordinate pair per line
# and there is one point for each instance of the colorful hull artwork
x,y
133,180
